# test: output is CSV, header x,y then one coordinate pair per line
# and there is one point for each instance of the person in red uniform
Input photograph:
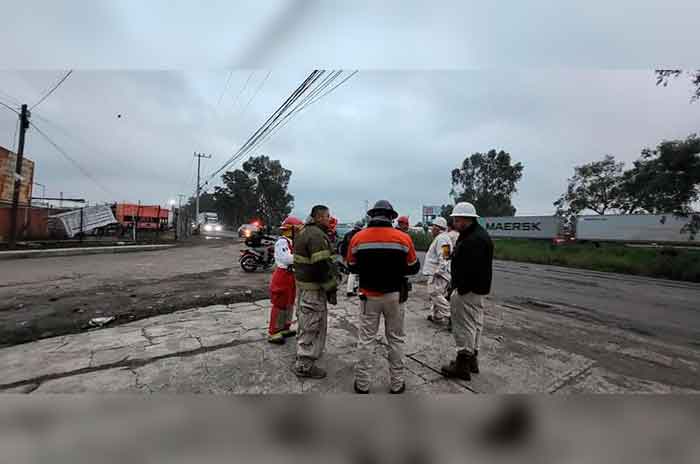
x,y
282,285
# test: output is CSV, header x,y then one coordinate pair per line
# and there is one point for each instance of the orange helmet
x,y
403,220
291,222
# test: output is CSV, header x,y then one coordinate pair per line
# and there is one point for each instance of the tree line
x,y
257,191
665,179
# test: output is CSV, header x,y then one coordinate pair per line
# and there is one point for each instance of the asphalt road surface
x,y
49,296
656,307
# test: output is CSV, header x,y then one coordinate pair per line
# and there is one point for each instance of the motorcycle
x,y
259,254
253,258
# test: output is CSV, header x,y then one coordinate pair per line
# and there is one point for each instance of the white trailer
x,y
71,223
634,228
536,227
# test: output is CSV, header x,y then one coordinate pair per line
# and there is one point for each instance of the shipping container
x,y
535,227
634,228
146,216
83,220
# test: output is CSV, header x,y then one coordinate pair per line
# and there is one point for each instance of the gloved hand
x,y
332,298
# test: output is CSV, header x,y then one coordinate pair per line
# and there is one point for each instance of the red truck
x,y
145,216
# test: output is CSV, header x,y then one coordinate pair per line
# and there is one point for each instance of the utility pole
x,y
199,157
23,126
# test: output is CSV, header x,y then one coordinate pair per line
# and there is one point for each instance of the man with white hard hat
x,y
437,268
471,269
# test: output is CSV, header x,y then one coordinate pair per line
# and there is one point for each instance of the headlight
x,y
218,228
207,228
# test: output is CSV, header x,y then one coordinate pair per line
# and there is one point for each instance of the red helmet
x,y
291,222
403,220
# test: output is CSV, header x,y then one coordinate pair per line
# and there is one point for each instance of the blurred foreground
x,y
407,430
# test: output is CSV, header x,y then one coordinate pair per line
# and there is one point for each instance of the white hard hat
x,y
464,209
441,222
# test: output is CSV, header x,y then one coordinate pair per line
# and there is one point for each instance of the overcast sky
x,y
387,133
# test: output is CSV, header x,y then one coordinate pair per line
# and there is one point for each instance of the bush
x,y
669,263
421,240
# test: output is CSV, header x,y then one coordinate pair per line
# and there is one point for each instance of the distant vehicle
x,y
152,217
634,228
209,222
247,230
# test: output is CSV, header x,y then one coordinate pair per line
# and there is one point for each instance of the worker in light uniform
x,y
472,273
454,235
282,285
383,257
437,269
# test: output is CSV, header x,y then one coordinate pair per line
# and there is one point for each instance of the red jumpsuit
x,y
282,288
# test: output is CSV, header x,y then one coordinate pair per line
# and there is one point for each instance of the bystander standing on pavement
x,y
316,281
472,269
437,269
382,256
282,285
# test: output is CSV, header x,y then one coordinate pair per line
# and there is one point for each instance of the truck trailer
x,y
635,228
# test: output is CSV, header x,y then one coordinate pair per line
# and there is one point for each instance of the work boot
x,y
314,373
458,368
436,320
287,333
277,339
474,363
399,390
358,390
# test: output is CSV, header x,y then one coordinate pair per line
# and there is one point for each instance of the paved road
x,y
186,322
655,307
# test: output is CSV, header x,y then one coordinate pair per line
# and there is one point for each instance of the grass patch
x,y
668,263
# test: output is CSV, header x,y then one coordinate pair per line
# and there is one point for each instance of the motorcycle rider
x,y
282,285
261,242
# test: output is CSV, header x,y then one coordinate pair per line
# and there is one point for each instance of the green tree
x,y
273,201
595,186
663,77
236,200
488,181
665,180
446,210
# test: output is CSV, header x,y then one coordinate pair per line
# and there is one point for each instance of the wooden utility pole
x,y
199,157
23,126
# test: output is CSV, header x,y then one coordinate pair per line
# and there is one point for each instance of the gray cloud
x,y
393,135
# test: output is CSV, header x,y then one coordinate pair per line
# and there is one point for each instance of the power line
x,y
52,90
307,101
223,92
71,159
278,120
255,94
245,86
312,78
9,108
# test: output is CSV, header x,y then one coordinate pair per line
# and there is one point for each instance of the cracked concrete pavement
x,y
222,349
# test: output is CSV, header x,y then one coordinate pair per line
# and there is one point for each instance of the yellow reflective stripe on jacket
x,y
320,256
298,259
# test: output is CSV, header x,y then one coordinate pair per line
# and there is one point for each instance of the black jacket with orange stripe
x,y
382,256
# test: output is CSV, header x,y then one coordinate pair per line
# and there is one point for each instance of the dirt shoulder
x,y
57,296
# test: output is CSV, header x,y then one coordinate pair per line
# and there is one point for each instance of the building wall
x,y
8,162
32,223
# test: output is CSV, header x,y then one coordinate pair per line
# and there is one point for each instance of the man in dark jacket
x,y
316,281
472,263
